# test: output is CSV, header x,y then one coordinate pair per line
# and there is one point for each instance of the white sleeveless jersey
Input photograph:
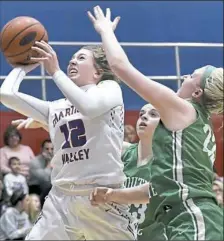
x,y
87,151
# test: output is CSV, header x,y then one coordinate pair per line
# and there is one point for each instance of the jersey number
x,y
74,132
209,139
140,212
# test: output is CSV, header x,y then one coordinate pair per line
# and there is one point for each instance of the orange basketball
x,y
18,36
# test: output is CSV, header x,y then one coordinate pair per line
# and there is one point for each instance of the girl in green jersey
x,y
137,159
180,189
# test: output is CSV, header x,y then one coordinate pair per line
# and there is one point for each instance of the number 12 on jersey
x,y
74,133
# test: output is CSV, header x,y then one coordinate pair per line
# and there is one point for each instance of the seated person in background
x,y
13,147
34,208
1,197
130,134
3,203
14,180
40,170
14,223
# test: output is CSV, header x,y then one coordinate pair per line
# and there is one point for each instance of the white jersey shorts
x,y
72,217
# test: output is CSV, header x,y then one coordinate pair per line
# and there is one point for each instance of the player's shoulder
x,y
58,103
128,149
106,83
132,147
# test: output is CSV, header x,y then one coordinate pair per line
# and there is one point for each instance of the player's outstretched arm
x,y
28,123
96,101
175,112
22,103
133,195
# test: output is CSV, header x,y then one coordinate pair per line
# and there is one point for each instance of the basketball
x,y
18,36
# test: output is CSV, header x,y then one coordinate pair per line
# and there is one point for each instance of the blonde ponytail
x,y
213,92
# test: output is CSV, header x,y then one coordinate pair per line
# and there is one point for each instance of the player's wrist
x,y
57,73
106,31
115,195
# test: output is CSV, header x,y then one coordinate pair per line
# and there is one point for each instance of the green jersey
x,y
182,167
137,175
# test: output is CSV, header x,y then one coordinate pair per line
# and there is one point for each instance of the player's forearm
x,y
134,195
74,94
22,103
161,97
45,127
92,103
114,52
118,61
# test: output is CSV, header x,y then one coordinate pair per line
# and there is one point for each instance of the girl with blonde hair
x,y
181,175
34,207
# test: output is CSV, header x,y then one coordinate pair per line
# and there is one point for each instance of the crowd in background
x,y
25,182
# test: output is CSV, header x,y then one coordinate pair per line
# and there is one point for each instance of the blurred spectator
x,y
218,189
129,134
1,197
14,223
3,203
14,181
40,170
34,208
13,147
1,188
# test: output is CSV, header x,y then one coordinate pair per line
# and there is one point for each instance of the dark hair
x,y
11,160
11,130
101,62
44,142
18,195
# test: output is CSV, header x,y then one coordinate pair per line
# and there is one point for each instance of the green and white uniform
x,y
137,175
181,181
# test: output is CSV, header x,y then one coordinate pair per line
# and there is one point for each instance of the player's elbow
x,y
5,96
89,111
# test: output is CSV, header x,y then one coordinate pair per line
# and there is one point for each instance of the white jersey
x,y
87,150
86,128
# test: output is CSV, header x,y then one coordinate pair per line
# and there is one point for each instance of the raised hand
x,y
48,57
102,22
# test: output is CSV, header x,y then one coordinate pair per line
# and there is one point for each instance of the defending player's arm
x,y
22,103
176,113
29,123
134,195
